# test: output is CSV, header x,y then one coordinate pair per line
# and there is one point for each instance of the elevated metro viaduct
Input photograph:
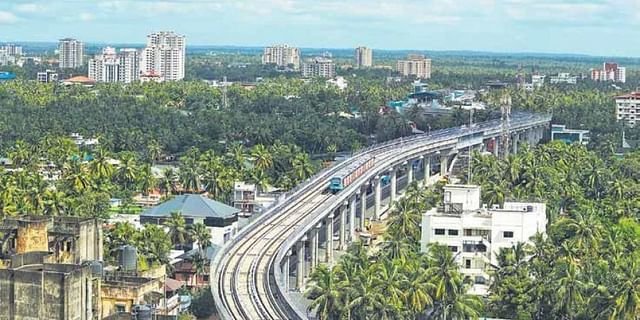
x,y
250,275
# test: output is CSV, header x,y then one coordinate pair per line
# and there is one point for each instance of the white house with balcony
x,y
475,234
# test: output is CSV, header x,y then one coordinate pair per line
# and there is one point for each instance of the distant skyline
x,y
594,27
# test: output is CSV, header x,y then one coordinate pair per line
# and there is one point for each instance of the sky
x,y
597,27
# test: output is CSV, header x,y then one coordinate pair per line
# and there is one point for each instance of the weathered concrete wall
x,y
33,294
32,236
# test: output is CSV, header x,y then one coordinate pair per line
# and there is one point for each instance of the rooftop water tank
x,y
128,258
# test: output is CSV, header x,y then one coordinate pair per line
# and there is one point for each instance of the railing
x,y
517,122
315,218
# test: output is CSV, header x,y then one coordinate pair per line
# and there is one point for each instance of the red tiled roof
x,y
172,284
635,95
80,79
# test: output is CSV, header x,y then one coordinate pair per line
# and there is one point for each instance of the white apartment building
x,y
537,80
112,66
282,55
5,58
12,49
364,57
319,67
164,56
563,77
475,234
129,65
628,108
71,53
415,65
47,76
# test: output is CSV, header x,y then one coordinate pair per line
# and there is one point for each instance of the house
x,y
220,219
475,234
185,269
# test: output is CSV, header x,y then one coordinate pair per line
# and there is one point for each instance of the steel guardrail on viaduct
x,y
245,273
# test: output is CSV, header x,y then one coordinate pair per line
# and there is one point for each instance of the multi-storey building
x,y
563,77
475,234
249,200
111,66
628,108
562,133
12,49
282,55
129,65
415,65
319,67
164,56
48,268
537,80
71,53
610,72
47,76
364,57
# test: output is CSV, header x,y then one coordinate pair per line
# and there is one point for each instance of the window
x,y
467,263
120,308
453,232
453,248
507,234
439,231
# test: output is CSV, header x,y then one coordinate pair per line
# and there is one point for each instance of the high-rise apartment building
x,y
628,108
610,72
129,65
364,57
12,49
415,65
164,56
282,56
71,53
319,67
111,66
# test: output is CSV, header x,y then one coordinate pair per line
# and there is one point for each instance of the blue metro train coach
x,y
351,173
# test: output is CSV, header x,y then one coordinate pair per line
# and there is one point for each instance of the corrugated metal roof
x,y
192,205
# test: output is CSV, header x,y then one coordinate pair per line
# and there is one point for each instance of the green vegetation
x,y
202,305
585,267
399,282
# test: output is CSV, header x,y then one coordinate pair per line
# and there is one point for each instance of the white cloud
x,y
7,17
85,16
29,8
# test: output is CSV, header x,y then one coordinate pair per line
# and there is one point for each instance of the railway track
x,y
248,265
241,273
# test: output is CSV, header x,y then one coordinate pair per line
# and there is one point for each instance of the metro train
x,y
349,174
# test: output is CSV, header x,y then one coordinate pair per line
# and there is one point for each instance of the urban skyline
x,y
479,25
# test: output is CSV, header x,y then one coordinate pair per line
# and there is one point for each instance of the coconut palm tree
x,y
177,229
302,167
324,294
262,157
168,181
200,233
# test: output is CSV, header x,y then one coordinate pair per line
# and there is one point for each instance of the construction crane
x,y
505,108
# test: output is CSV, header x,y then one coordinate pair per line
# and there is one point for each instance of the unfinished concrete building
x,y
48,268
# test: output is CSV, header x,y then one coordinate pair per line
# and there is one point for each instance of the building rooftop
x,y
632,95
80,80
192,205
